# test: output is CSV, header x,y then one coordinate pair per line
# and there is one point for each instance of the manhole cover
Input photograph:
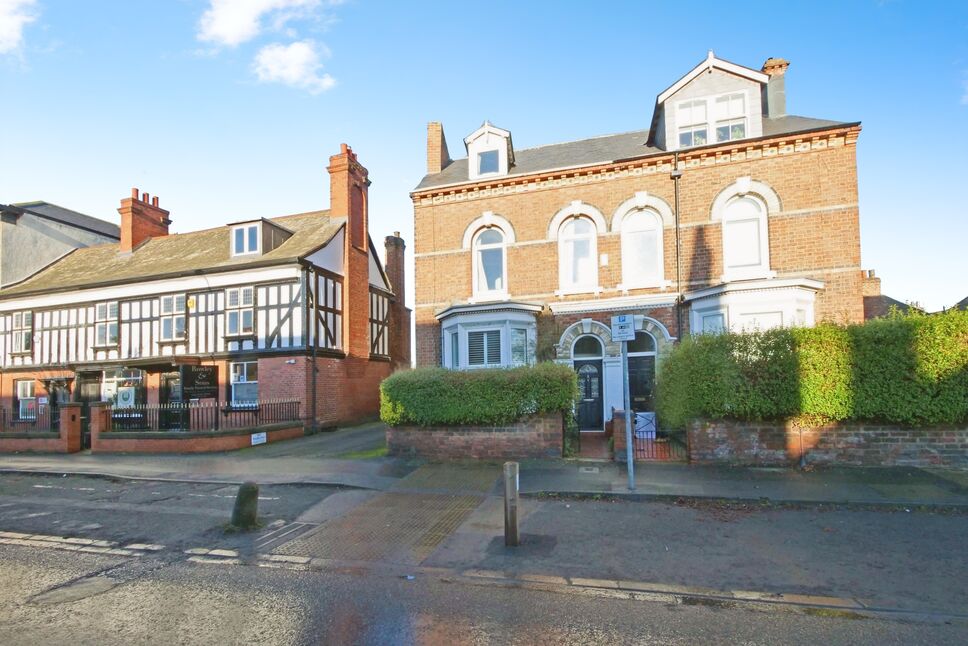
x,y
588,469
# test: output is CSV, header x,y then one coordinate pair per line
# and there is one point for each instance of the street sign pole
x,y
629,457
623,330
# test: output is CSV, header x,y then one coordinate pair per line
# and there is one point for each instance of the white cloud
x,y
296,65
14,16
233,22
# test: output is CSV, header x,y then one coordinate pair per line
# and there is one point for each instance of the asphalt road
x,y
54,593
188,603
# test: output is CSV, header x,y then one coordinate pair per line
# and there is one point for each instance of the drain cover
x,y
587,469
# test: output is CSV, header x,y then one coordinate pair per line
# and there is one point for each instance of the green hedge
x,y
910,370
439,397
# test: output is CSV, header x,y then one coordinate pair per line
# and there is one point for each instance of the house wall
x,y
815,234
30,243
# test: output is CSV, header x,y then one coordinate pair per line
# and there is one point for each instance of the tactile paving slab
x,y
395,527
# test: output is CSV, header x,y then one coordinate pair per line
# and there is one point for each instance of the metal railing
x,y
204,416
40,421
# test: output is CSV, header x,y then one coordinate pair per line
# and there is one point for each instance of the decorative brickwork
x,y
534,437
764,443
814,234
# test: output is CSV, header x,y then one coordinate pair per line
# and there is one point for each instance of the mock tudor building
x,y
298,307
726,213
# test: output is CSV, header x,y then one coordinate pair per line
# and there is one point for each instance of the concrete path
x,y
323,459
314,459
873,486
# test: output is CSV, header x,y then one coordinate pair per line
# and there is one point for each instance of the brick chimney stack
x,y
438,157
348,186
141,219
775,92
399,314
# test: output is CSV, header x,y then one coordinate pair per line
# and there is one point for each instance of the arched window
x,y
577,255
746,248
587,347
642,249
644,342
490,263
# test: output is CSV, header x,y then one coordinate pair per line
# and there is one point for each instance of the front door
x,y
88,390
589,395
642,383
173,415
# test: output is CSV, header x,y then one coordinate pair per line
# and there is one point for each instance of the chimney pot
x,y
154,201
134,193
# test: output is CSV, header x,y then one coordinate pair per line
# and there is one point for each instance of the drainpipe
x,y
676,174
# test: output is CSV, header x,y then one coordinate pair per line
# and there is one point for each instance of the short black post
x,y
246,512
512,537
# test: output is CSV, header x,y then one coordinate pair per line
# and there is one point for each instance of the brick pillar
x,y
70,426
618,435
100,422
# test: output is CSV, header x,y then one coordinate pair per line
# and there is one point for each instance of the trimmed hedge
x,y
441,397
906,369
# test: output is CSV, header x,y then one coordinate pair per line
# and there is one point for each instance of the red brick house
x,y
296,307
725,213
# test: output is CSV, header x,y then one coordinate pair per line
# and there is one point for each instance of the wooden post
x,y
512,537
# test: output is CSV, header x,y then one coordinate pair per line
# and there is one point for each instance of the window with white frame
x,y
172,317
484,348
23,332
577,255
106,324
642,256
488,162
713,323
520,354
490,263
245,383
693,126
245,239
730,113
26,400
239,311
746,251
454,351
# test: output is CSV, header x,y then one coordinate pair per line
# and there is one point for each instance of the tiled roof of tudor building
x,y
177,254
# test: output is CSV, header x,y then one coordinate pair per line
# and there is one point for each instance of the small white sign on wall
x,y
258,438
623,328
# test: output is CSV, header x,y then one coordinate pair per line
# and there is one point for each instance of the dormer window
x,y
692,123
731,117
489,152
245,239
488,162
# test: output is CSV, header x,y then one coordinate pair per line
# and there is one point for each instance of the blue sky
x,y
230,109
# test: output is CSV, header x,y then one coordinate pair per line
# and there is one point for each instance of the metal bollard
x,y
512,537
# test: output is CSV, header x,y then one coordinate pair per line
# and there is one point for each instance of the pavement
x,y
327,459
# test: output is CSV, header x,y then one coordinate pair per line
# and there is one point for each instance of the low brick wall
x,y
67,439
533,437
105,440
856,444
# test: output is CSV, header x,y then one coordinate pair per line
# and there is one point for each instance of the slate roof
x,y
203,251
962,304
73,218
605,149
880,306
